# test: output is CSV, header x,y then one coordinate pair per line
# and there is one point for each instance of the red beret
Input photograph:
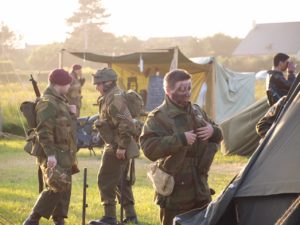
x,y
60,77
76,67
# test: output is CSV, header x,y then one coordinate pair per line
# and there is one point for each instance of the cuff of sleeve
x,y
182,138
49,151
217,135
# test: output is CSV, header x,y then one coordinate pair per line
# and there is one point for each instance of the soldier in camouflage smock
x,y
265,123
74,94
183,140
117,130
55,129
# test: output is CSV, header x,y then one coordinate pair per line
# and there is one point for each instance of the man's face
x,y
78,72
63,89
181,93
284,65
102,87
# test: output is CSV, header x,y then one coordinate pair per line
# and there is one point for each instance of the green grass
x,y
19,187
13,94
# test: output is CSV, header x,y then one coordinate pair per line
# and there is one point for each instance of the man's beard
x,y
181,99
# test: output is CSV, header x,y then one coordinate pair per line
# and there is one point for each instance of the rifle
x,y
38,95
85,186
35,87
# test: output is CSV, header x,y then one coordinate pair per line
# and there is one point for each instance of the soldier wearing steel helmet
x,y
117,130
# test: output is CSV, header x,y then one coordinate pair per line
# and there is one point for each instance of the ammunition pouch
x,y
162,182
32,145
57,178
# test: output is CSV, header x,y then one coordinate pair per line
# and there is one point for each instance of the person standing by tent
x,y
265,123
278,86
116,129
180,137
74,94
56,122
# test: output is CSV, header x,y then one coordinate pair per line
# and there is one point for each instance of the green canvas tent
x,y
239,131
228,92
268,184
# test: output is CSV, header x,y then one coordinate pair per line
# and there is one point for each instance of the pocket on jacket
x,y
64,159
62,130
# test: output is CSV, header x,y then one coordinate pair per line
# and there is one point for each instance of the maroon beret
x,y
76,67
60,77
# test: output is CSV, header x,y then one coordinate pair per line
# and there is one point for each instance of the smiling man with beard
x,y
182,140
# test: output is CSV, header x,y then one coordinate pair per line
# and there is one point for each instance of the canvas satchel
x,y
162,182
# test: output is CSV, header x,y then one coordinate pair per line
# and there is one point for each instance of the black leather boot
x,y
131,219
105,220
33,219
58,220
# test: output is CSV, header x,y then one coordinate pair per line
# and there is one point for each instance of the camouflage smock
x,y
163,140
115,122
56,128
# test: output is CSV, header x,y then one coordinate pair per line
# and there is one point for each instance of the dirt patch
x,y
227,167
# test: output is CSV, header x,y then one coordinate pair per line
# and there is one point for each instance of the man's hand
x,y
291,67
204,133
72,109
120,154
190,137
51,161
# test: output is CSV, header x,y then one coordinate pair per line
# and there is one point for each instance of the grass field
x,y
19,187
18,171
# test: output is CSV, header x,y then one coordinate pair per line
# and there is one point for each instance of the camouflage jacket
x,y
56,127
115,123
163,140
265,123
74,94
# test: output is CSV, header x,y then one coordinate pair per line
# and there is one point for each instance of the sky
x,y
44,21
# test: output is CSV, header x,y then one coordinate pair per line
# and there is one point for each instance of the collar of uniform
x,y
111,91
273,72
51,91
173,110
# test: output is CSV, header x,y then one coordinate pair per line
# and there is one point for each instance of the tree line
x,y
87,35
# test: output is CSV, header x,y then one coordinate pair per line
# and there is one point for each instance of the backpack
x,y
135,103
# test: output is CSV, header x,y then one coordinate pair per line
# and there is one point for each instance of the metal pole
x,y
122,195
61,58
84,205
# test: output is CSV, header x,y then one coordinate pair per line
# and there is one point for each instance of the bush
x,y
13,129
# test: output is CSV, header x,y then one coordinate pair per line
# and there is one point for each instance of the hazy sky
x,y
43,21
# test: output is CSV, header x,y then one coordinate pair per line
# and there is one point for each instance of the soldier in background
x,y
117,131
265,123
278,85
180,137
74,94
55,132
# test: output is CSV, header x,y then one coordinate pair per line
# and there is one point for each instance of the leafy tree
x,y
90,11
45,57
8,39
87,23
